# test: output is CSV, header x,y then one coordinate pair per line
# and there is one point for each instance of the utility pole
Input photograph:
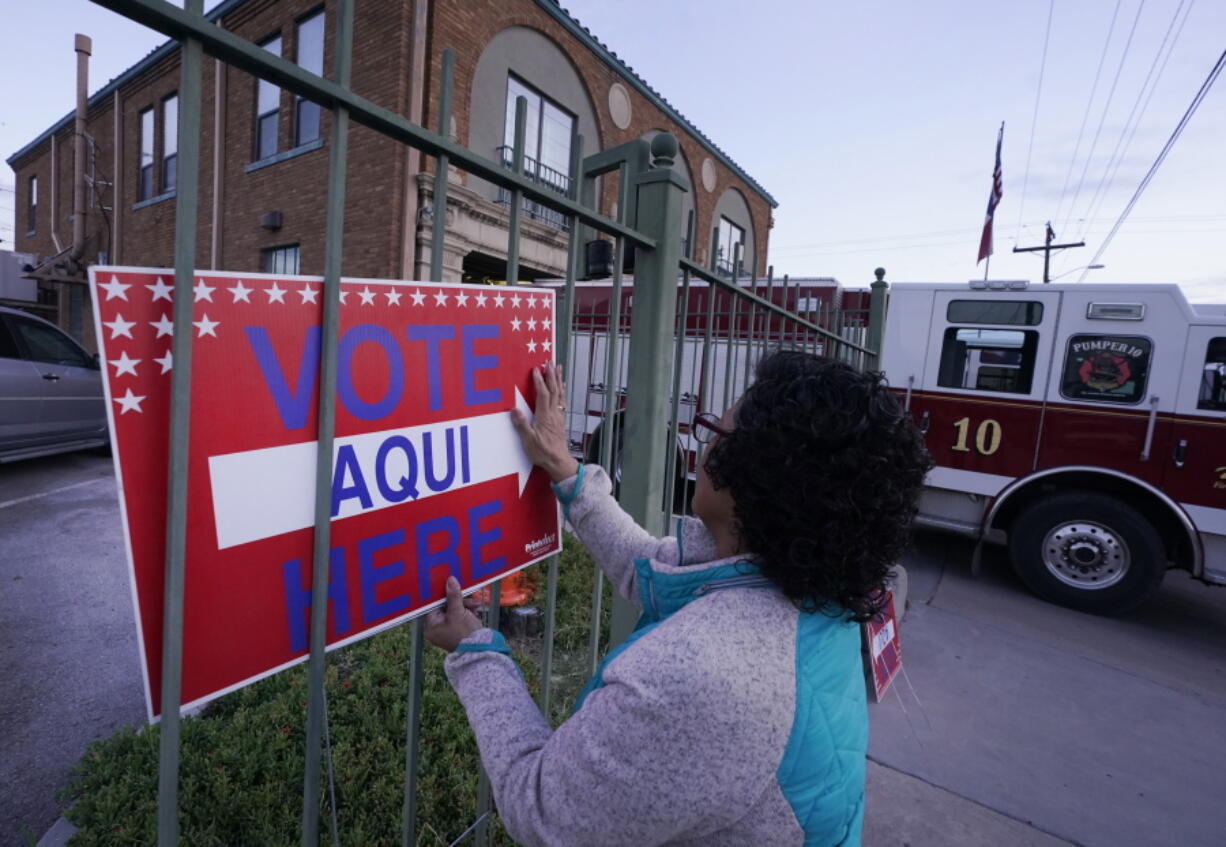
x,y
1047,248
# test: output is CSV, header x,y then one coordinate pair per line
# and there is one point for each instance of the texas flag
x,y
428,476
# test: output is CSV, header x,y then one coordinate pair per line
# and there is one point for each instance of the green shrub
x,y
242,758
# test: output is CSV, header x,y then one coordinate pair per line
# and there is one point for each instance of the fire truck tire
x,y
1089,552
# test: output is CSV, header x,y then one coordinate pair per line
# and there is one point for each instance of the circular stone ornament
x,y
708,174
619,105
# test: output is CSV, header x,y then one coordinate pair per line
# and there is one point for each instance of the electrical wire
x,y
1085,115
1166,148
1113,165
1103,118
1034,119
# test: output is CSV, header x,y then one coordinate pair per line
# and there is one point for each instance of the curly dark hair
x,y
825,470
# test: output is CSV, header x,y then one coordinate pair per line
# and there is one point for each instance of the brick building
x,y
263,163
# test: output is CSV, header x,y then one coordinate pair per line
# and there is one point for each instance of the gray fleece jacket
x,y
728,718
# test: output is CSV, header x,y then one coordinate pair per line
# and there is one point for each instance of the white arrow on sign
x,y
263,493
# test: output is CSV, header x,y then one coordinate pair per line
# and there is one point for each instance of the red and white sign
x,y
429,479
884,648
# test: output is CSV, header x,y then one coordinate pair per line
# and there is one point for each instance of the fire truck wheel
x,y
1088,552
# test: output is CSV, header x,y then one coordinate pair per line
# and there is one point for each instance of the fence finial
x,y
880,273
663,150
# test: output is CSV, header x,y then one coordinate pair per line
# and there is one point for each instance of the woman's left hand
x,y
454,621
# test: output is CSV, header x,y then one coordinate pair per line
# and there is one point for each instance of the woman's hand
x,y
544,438
454,621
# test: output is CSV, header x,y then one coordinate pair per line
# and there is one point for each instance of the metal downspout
x,y
413,157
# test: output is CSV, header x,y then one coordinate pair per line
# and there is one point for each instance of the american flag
x,y
985,240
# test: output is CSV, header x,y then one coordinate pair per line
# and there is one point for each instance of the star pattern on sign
x,y
125,365
166,361
276,294
119,327
115,288
393,297
241,292
499,299
461,299
546,323
308,295
206,327
480,299
418,297
531,323
343,295
203,292
368,296
516,323
163,325
129,402
515,301
161,291
546,345
531,346
440,298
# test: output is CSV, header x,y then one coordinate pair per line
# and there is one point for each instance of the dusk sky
x,y
873,123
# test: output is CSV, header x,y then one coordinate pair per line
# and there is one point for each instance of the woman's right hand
x,y
544,437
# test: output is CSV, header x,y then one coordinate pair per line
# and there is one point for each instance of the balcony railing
x,y
546,176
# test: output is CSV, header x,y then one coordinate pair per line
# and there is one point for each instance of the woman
x,y
735,713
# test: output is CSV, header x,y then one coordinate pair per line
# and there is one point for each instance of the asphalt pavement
x,y
1018,723
1075,728
67,632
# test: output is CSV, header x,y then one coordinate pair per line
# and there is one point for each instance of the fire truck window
x,y
1006,312
1106,368
1213,382
985,359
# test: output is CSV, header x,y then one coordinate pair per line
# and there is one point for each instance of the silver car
x,y
51,398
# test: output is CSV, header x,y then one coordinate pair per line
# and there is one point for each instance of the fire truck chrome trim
x,y
1194,542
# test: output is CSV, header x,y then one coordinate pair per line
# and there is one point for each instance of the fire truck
x,y
1083,426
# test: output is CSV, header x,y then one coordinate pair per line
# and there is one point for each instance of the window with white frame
x,y
170,143
267,106
730,235
309,40
32,205
144,179
547,136
280,260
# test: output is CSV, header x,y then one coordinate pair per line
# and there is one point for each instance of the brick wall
x,y
466,27
297,186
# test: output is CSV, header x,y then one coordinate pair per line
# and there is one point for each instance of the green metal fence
x,y
687,344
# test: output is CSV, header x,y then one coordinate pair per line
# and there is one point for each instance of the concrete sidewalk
x,y
1083,728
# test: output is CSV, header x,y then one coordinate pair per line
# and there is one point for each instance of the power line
x,y
1103,118
1166,148
1126,136
1034,119
1085,115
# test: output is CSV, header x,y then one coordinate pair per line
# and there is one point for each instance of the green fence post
x,y
334,228
191,63
660,191
876,318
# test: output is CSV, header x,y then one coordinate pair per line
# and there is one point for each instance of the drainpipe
x,y
83,47
413,158
55,193
117,183
219,159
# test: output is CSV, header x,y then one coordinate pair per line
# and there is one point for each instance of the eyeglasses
x,y
706,424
